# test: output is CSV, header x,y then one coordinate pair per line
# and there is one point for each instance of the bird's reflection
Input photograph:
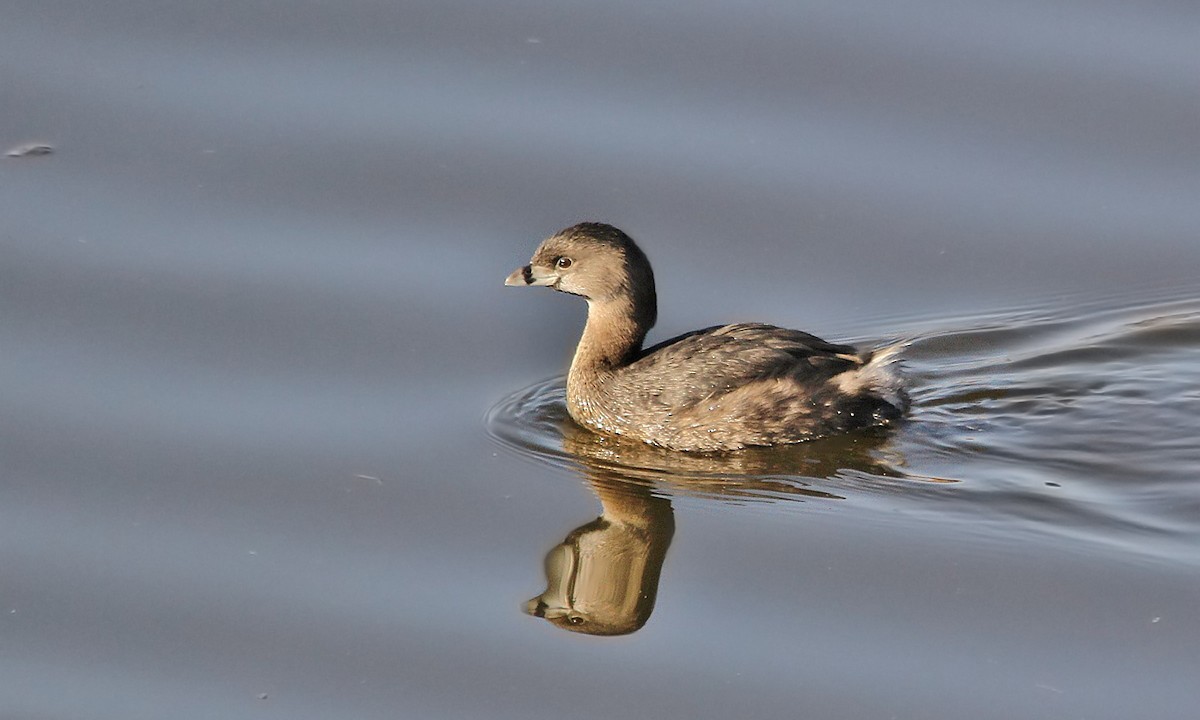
x,y
602,579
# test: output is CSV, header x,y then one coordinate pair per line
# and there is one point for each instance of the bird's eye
x,y
562,263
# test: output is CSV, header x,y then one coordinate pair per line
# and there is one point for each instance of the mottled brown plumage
x,y
721,388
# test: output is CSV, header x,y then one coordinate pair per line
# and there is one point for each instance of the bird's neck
x,y
611,339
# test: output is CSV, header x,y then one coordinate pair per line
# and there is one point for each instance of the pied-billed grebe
x,y
722,388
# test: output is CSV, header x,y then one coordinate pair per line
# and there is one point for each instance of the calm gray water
x,y
276,442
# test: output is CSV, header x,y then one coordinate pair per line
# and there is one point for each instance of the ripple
x,y
1078,422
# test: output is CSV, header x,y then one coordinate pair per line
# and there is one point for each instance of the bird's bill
x,y
530,275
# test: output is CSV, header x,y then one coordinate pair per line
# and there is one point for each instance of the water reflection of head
x,y
603,578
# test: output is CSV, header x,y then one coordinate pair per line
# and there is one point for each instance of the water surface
x,y
276,441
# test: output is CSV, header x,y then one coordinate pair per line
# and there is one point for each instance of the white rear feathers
x,y
879,375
